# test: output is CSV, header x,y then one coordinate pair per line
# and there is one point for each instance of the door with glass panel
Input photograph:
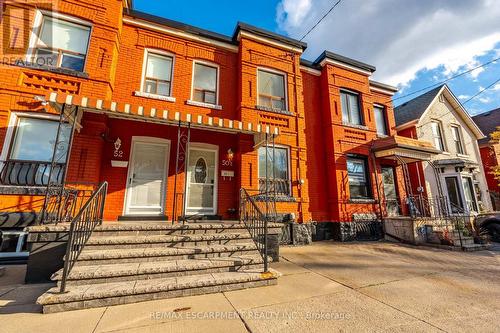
x,y
146,185
201,180
390,194
470,197
454,194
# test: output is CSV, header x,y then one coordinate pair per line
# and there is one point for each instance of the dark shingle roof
x,y
345,60
488,123
414,108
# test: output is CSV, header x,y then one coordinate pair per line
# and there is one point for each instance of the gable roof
x,y
488,123
415,108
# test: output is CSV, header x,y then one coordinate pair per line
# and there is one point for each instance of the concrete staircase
x,y
132,262
458,239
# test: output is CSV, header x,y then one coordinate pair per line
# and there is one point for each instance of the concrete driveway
x,y
325,287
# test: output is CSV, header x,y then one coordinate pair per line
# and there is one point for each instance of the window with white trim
x,y
158,74
278,174
351,113
61,43
380,119
457,139
205,83
437,135
357,172
272,92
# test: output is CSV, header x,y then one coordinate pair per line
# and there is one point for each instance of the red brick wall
x,y
490,159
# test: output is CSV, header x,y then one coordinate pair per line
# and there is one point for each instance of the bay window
x,y
351,113
357,171
278,175
271,90
61,43
205,83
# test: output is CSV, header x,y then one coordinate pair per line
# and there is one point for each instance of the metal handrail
x,y
256,223
29,173
81,228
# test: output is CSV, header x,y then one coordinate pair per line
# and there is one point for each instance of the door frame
x,y
458,179
205,147
396,186
153,140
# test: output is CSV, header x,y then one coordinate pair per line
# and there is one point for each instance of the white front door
x,y
147,174
201,195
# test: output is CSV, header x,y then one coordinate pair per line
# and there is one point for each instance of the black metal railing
x,y
30,173
81,228
279,187
64,203
256,223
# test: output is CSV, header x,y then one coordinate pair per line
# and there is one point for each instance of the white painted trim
x,y
209,64
384,91
177,33
12,124
206,147
144,68
151,140
310,70
345,66
154,96
37,25
285,79
407,125
268,41
204,105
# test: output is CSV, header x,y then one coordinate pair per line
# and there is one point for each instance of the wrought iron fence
x,y
256,223
81,228
279,187
30,173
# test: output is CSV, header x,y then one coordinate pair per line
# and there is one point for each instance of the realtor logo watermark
x,y
19,24
251,315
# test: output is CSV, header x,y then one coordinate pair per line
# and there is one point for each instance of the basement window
x,y
61,43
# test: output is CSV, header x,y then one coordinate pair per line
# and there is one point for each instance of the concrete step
x,y
107,273
107,294
457,241
143,241
475,247
166,228
158,253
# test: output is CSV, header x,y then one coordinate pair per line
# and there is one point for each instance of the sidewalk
x,y
357,287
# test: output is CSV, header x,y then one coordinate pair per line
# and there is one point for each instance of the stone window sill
x,y
154,96
361,127
204,105
362,201
463,155
265,108
57,70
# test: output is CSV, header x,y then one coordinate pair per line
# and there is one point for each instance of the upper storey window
x,y
437,135
351,113
271,87
205,79
457,139
158,74
61,43
380,120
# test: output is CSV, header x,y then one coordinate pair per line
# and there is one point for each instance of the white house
x,y
456,173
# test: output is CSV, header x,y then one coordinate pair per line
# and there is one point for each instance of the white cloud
x,y
400,38
496,87
463,96
485,100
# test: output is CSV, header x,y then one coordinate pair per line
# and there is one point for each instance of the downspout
x,y
377,185
299,172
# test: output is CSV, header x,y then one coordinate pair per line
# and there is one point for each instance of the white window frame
x,y
386,121
443,141
367,174
141,92
460,138
13,121
285,83
37,26
289,164
360,107
191,101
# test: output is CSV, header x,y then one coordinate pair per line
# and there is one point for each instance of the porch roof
x,y
403,149
169,117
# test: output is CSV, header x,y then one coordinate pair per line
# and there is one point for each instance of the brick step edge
x,y
52,302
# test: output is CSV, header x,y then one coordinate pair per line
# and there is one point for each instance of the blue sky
x,y
412,44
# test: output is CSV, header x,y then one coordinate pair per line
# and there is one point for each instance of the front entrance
x,y
390,194
201,197
454,195
147,172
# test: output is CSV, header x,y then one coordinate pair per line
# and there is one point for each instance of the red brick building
x,y
176,118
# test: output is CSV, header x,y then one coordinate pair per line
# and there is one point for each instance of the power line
x,y
321,19
448,79
481,91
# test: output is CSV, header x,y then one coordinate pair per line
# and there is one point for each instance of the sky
x,y
413,43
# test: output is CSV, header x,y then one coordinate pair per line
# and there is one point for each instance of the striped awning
x,y
170,117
